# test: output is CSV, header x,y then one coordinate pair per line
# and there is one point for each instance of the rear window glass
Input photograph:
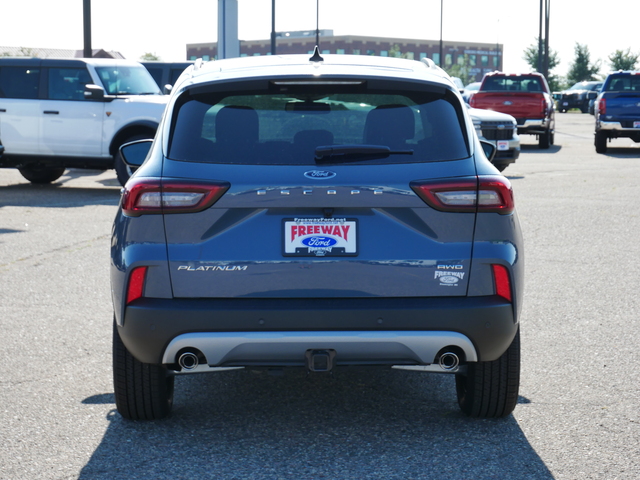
x,y
274,128
520,83
19,82
623,83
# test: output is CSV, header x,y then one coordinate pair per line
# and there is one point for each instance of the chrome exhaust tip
x,y
188,361
449,361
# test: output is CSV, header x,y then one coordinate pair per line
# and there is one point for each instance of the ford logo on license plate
x,y
319,174
319,242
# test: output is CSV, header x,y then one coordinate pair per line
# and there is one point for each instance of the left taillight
x,y
502,282
151,196
135,289
485,193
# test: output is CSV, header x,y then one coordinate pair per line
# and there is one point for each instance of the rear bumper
x,y
235,332
533,126
620,128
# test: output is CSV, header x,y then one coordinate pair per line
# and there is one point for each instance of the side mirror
x,y
489,149
592,95
134,153
93,92
167,89
1,150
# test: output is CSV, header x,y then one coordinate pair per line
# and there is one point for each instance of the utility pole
x,y
86,17
543,41
546,39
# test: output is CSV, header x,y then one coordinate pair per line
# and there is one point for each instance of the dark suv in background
x,y
316,213
166,73
577,96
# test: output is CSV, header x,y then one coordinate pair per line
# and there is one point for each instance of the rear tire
x,y
544,139
490,389
40,175
601,142
143,391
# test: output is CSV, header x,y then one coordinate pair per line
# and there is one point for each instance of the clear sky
x,y
134,27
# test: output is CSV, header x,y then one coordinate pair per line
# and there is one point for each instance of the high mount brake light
x,y
484,194
149,196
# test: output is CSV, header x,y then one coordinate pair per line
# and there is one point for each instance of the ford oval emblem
x,y
319,242
449,279
508,102
319,174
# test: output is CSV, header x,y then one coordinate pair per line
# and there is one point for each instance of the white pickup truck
x,y
74,113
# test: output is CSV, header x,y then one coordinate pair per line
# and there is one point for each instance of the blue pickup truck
x,y
617,109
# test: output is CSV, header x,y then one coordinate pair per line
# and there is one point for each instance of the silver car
x,y
502,131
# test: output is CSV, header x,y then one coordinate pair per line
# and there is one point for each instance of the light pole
x,y
318,24
440,57
273,27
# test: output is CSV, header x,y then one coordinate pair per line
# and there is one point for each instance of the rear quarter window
x,y
19,82
284,129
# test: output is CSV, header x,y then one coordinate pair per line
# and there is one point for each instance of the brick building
x,y
480,58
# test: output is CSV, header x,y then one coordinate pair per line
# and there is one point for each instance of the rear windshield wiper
x,y
355,153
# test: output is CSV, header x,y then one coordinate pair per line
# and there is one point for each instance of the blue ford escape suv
x,y
315,213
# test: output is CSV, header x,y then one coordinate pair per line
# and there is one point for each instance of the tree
x,y
621,60
582,69
394,51
531,57
461,69
149,57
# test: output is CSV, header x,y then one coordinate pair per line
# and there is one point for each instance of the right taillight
x,y
484,193
149,196
602,106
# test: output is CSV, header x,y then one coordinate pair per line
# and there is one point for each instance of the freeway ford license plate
x,y
320,237
636,124
503,145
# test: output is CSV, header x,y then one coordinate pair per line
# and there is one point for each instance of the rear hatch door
x,y
320,202
339,231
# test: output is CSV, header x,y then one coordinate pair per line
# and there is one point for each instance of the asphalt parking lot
x,y
578,416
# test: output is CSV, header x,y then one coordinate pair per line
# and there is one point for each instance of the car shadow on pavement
x,y
360,424
622,152
533,148
56,196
